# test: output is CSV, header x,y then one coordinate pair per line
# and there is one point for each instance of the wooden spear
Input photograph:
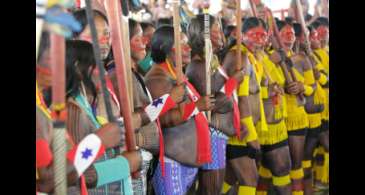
x,y
253,8
97,56
208,53
238,35
299,11
288,73
127,50
57,50
177,38
114,14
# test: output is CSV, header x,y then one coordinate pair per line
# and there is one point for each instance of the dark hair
x,y
316,24
164,21
307,17
323,20
252,22
162,42
80,16
196,34
280,24
310,28
146,25
228,30
132,27
79,60
297,29
289,20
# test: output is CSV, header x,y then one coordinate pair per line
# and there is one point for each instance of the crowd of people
x,y
268,129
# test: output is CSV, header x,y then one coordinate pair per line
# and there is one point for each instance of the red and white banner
x,y
159,106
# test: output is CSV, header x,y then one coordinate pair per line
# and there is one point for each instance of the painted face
x,y
147,36
216,36
313,37
256,37
103,35
323,33
185,50
138,46
287,34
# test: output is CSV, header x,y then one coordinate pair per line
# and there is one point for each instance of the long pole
x,y
97,56
208,54
177,38
113,10
238,35
253,8
57,50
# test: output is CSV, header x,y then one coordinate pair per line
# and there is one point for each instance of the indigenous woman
x,y
316,134
322,157
211,175
110,135
148,131
104,40
296,119
81,106
242,152
185,128
270,127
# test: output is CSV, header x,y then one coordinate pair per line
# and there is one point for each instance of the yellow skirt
x,y
315,120
275,134
297,117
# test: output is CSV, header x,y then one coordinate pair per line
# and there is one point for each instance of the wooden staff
x,y
96,49
57,50
275,29
113,10
177,38
39,27
41,10
253,8
300,19
219,18
208,54
125,31
288,73
238,35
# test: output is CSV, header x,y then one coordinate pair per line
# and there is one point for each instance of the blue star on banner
x,y
157,102
87,153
